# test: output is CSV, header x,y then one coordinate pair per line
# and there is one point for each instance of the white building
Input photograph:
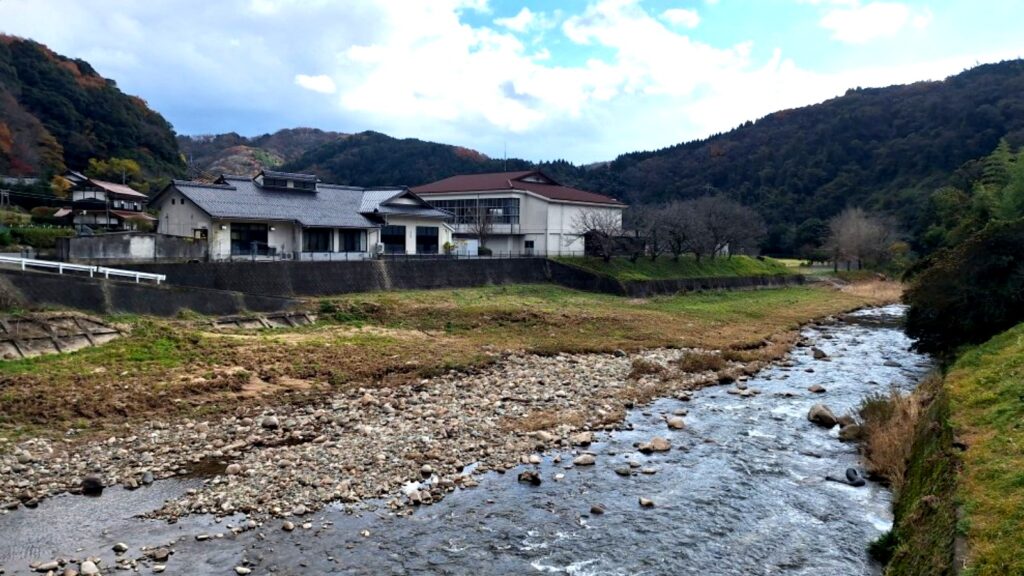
x,y
530,212
277,214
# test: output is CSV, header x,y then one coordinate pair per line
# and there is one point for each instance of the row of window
x,y
498,210
282,183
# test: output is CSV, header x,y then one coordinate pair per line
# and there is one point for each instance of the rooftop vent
x,y
287,181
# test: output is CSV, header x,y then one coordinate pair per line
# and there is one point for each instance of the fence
x,y
60,267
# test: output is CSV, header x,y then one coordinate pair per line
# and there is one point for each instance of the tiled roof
x,y
290,176
334,206
496,181
117,189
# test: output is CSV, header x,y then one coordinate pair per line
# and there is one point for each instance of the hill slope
x,y
881,148
56,112
233,154
375,159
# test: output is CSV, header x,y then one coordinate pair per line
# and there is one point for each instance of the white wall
x,y
181,218
444,234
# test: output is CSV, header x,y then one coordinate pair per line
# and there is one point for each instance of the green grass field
x,y
665,268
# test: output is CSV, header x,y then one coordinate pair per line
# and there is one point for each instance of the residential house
x,y
297,216
101,205
529,212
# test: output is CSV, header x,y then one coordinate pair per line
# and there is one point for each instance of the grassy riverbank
x,y
687,266
182,367
976,494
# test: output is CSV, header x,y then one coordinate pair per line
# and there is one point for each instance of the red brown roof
x,y
545,187
117,189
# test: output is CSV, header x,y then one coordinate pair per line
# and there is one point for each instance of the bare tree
x,y
481,224
648,226
601,228
856,236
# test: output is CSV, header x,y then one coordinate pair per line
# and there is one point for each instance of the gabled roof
x,y
115,189
385,201
529,180
334,206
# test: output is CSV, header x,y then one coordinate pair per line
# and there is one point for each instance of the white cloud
x,y
518,23
418,69
322,83
681,17
856,23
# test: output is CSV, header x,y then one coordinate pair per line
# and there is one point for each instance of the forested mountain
x,y
375,159
885,149
234,154
57,113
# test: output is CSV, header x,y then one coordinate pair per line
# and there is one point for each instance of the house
x,y
528,212
98,204
279,214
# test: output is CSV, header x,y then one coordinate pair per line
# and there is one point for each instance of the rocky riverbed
x,y
364,443
702,480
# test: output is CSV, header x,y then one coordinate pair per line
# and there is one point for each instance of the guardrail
x,y
61,267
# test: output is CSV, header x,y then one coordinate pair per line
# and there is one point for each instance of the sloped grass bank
x,y
965,477
665,268
381,339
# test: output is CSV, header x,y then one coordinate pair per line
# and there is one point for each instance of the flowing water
x,y
743,491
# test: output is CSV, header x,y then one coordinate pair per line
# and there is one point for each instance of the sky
x,y
581,80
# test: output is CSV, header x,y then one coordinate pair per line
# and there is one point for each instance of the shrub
x,y
39,236
969,293
700,362
484,251
643,367
888,423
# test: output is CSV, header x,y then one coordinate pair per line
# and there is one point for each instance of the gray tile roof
x,y
334,206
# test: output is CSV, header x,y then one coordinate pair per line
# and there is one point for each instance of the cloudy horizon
x,y
585,82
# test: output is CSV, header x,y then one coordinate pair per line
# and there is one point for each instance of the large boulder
x,y
822,416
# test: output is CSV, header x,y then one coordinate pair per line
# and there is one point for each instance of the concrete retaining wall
x,y
130,247
44,290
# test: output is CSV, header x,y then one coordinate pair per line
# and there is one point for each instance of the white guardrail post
x,y
24,263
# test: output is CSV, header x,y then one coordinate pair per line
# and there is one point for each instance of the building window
x,y
317,239
393,239
501,210
353,241
427,239
249,239
172,201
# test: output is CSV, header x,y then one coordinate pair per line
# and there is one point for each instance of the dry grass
x,y
386,339
881,290
889,422
642,367
698,361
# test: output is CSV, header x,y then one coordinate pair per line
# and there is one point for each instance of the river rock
x,y
270,423
817,389
846,420
818,353
120,548
582,439
147,478
242,570
288,526
657,444
855,478
850,433
624,471
158,554
675,423
92,485
47,566
233,469
88,568
69,571
822,416
597,509
646,502
584,460
530,476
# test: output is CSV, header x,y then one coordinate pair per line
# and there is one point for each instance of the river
x,y
742,491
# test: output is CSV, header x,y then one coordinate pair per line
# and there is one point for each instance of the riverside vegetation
x,y
384,388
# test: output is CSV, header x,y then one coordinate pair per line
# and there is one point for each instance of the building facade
x,y
528,212
101,205
283,215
